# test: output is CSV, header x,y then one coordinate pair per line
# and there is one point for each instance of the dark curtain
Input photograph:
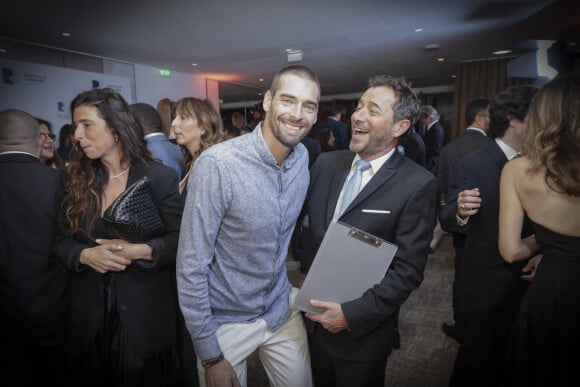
x,y
479,79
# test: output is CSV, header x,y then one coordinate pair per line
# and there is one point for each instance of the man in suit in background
x,y
350,342
333,122
414,147
434,136
490,288
158,144
33,281
474,137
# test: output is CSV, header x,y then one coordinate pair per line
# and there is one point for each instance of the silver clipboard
x,y
348,262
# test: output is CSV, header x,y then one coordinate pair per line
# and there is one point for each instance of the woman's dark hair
x,y
88,177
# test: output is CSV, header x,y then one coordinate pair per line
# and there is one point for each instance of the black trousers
x,y
330,371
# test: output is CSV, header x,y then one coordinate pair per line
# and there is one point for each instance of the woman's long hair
x,y
208,118
552,137
88,178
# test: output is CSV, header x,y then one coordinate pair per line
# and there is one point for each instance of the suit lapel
x,y
385,173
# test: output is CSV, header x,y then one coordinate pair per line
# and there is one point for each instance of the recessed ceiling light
x,y
66,34
501,52
440,59
453,76
418,29
261,79
431,46
3,51
194,64
260,93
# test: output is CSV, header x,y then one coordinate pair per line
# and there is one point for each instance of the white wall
x,y
150,87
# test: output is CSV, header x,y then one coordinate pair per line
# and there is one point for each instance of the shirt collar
x,y
265,153
18,153
507,150
477,130
148,136
377,163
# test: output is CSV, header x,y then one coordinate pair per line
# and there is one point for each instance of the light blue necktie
x,y
353,185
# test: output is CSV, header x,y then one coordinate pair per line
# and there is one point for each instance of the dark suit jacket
x,y
338,130
485,280
414,147
33,281
434,140
451,155
145,289
409,193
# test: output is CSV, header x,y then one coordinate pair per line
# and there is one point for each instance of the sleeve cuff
x,y
461,222
207,348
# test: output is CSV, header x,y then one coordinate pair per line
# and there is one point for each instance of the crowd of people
x,y
199,282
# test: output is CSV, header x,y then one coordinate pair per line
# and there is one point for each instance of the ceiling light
x,y
453,76
3,51
418,29
501,52
66,34
440,59
431,47
194,64
572,44
260,93
261,79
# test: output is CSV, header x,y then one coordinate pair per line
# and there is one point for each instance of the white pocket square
x,y
375,211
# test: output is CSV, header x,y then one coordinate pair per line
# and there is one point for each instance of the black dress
x,y
544,349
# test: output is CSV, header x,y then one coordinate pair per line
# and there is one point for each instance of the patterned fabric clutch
x,y
133,216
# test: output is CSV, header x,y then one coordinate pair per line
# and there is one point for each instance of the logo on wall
x,y
7,75
60,106
96,84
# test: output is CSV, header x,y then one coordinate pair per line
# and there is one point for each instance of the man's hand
x,y
332,319
221,374
468,203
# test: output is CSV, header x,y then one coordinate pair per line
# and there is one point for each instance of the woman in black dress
x,y
544,184
122,316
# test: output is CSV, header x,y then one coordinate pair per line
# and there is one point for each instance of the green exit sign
x,y
165,73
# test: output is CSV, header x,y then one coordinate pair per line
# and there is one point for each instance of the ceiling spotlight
x,y
501,52
66,34
431,47
418,29
194,64
260,93
3,51
453,76
440,59
261,79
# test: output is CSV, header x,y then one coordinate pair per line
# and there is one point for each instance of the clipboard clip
x,y
364,237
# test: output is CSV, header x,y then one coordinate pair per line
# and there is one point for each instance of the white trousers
x,y
284,353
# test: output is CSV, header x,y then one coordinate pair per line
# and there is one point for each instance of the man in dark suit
x,y
474,137
414,147
490,287
158,144
333,122
33,281
434,136
350,342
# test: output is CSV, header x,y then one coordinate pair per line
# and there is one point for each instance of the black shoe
x,y
397,340
453,332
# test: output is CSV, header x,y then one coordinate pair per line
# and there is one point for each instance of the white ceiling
x,y
344,41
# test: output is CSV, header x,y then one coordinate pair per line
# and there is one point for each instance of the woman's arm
x,y
511,218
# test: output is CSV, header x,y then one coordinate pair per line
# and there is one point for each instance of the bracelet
x,y
213,361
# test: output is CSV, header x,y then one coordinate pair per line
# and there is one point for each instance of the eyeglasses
x,y
52,136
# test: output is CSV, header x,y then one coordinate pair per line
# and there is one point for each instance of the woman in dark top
x,y
122,301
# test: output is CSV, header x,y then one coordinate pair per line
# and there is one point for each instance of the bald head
x,y
19,131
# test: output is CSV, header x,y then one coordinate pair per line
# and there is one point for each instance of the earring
x,y
116,138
